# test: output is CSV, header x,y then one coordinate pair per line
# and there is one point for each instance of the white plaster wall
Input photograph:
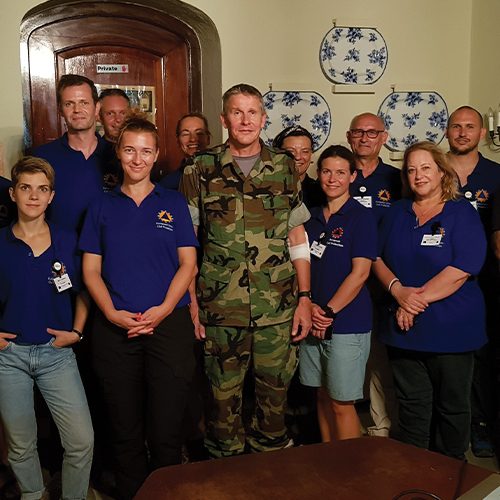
x,y
277,41
485,63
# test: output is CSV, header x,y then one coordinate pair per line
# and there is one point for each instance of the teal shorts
x,y
338,364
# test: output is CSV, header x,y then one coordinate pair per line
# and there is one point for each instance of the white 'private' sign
x,y
112,68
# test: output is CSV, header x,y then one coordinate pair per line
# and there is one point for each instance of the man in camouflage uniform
x,y
245,199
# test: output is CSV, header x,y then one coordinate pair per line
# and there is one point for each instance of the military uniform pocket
x,y
213,287
281,272
276,215
279,295
220,216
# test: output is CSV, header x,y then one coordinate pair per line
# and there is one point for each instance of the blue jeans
x,y
55,372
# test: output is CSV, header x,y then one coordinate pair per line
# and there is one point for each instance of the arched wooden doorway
x,y
165,44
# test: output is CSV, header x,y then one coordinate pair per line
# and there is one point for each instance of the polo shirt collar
x,y
409,208
102,144
11,238
377,171
317,212
10,234
480,166
117,191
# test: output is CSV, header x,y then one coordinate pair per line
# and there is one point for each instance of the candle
x,y
490,120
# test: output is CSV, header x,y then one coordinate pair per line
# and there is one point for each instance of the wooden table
x,y
370,468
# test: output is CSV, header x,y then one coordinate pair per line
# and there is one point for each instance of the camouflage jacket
x,y
246,277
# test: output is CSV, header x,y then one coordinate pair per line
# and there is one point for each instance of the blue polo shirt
x,y
78,180
29,300
453,324
8,209
481,186
380,189
138,245
350,233
173,179
480,189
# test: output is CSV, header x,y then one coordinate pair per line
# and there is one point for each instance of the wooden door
x,y
156,57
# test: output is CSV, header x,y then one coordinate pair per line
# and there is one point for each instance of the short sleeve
x,y
190,188
468,241
299,212
90,237
185,235
364,238
298,216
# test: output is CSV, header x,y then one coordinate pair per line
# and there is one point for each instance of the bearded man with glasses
x,y
377,186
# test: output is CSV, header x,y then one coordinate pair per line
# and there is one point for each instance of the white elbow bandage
x,y
300,251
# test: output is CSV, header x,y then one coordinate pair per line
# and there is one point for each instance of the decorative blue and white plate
x,y
412,117
353,56
307,109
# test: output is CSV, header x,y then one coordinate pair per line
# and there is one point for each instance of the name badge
x,y
474,204
431,240
317,249
61,279
366,201
62,283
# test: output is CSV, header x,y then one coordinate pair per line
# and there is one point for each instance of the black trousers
x,y
484,397
145,384
433,390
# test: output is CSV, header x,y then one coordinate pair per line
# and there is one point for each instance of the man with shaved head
x,y
377,186
479,179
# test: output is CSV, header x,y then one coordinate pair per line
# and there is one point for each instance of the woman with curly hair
x,y
431,247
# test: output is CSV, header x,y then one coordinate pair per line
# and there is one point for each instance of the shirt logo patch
x,y
335,238
482,195
166,220
384,195
110,182
164,216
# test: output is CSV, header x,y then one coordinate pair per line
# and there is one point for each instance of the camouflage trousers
x,y
229,351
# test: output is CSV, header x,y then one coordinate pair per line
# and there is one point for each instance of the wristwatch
x,y
80,334
305,294
329,313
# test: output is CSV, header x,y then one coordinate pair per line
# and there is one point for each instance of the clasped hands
x,y
411,303
319,321
138,323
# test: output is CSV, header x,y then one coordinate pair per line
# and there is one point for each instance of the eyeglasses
x,y
371,134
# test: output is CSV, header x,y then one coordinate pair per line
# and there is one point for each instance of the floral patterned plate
x,y
413,116
353,56
307,109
